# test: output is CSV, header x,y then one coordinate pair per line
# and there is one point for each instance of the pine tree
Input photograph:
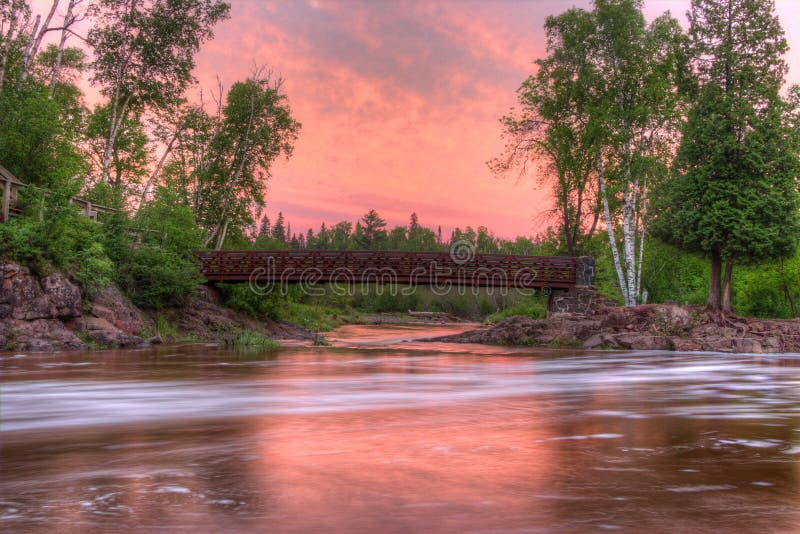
x,y
734,197
263,230
372,232
278,230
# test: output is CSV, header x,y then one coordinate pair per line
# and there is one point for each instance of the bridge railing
x,y
424,268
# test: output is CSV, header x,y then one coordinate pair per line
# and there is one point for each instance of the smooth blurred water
x,y
379,432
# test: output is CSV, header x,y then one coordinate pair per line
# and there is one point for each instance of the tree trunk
x,y
9,37
222,235
610,228
118,116
726,287
158,168
68,20
629,228
36,42
713,303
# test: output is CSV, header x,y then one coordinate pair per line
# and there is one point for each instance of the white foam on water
x,y
700,488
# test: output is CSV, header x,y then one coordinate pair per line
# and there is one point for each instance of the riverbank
x,y
647,327
51,313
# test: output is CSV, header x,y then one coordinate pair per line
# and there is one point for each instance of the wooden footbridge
x,y
420,268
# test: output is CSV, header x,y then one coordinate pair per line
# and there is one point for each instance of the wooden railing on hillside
x,y
10,199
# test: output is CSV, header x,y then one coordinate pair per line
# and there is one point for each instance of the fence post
x,y
6,199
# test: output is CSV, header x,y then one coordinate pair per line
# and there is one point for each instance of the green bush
x,y
154,278
61,239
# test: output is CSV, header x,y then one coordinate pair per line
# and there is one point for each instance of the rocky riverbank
x,y
648,327
50,313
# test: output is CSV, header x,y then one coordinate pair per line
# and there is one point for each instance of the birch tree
x,y
221,161
257,127
600,116
144,55
71,17
35,41
636,104
15,16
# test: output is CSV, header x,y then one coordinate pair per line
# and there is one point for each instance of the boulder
x,y
105,334
772,344
639,341
63,295
746,344
37,335
594,342
685,345
110,304
21,296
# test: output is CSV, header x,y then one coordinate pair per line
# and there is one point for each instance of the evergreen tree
x,y
278,230
372,233
734,196
264,229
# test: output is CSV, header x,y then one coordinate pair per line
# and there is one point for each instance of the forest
x,y
671,154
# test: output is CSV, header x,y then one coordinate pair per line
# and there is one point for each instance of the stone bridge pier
x,y
583,298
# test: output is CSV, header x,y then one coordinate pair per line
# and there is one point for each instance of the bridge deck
x,y
423,268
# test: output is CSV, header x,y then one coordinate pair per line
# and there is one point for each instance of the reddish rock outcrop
x,y
47,314
647,327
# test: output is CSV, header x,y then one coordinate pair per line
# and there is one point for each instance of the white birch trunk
x,y
68,20
641,242
9,37
36,42
610,228
157,170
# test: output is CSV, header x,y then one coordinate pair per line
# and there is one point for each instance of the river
x,y
381,433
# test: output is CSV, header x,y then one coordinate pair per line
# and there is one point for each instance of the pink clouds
x,y
400,102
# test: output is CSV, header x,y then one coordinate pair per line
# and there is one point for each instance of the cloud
x,y
399,103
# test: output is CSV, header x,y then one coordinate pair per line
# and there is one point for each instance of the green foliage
x,y
769,290
155,278
255,340
39,140
534,307
60,239
242,298
734,192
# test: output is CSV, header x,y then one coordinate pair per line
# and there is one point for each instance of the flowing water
x,y
379,433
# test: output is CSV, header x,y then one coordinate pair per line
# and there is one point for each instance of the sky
x,y
400,103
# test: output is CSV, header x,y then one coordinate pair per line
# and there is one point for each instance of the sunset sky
x,y
400,101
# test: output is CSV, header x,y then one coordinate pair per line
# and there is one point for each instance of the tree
x,y
256,128
144,54
130,158
734,196
551,126
15,18
278,229
600,115
371,233
637,70
70,18
264,229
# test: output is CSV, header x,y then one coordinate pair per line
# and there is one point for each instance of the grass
x,y
251,339
534,307
314,317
